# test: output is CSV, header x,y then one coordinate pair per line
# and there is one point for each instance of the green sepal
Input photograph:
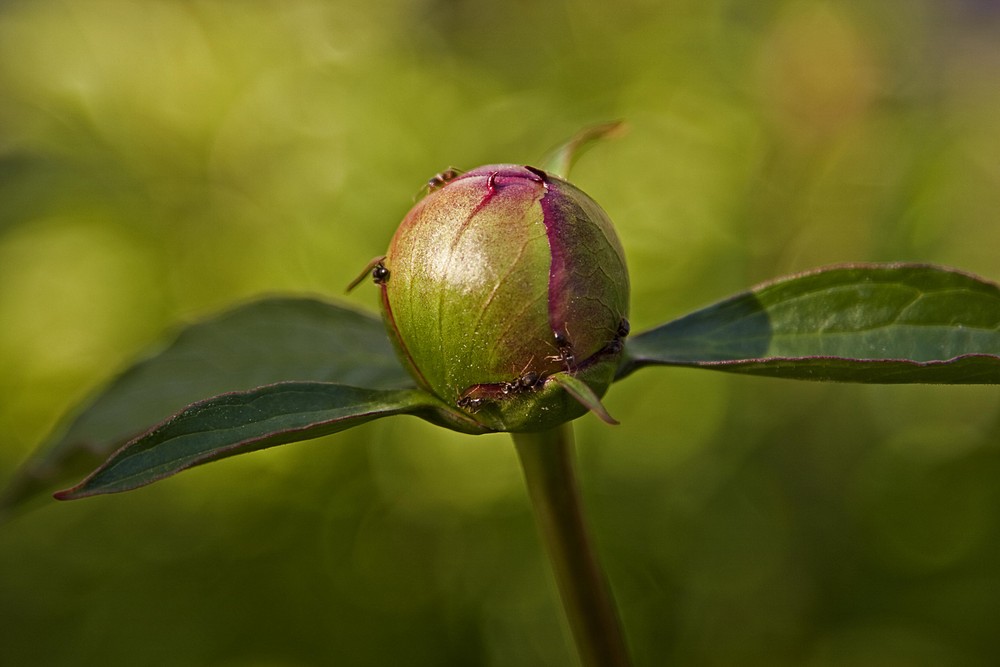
x,y
584,395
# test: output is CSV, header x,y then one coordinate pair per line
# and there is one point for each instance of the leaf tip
x,y
67,494
603,414
584,395
82,489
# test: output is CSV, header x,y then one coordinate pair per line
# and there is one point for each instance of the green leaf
x,y
262,342
561,159
242,422
893,323
584,395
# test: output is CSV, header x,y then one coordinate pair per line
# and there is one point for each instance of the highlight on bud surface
x,y
500,283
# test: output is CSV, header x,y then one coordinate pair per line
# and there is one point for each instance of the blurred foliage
x,y
164,159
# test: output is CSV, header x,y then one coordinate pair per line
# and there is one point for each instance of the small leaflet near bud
x,y
582,392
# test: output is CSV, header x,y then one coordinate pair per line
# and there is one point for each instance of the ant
x,y
379,274
623,328
565,348
439,180
474,397
616,344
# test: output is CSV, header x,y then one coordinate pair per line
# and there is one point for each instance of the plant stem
x,y
547,461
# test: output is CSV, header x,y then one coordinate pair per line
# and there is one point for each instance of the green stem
x,y
547,461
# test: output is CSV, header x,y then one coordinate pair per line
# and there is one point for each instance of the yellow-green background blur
x,y
161,160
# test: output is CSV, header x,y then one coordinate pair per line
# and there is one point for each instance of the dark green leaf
x,y
263,342
859,323
243,422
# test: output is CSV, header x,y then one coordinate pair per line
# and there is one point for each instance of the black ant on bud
x,y
474,397
439,180
379,274
565,348
623,328
617,344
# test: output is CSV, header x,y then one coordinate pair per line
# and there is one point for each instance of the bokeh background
x,y
165,159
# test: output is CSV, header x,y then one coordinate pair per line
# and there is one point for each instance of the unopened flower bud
x,y
502,288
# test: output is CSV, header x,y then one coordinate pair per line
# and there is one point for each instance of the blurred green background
x,y
161,160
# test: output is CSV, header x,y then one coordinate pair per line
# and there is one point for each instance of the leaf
x,y
262,342
584,395
242,422
891,323
562,158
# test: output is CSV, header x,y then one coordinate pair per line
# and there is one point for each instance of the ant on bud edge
x,y
439,180
565,351
623,328
380,274
473,397
616,344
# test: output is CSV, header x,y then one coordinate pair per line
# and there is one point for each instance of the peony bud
x,y
503,290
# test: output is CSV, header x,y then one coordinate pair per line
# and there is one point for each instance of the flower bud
x,y
497,286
